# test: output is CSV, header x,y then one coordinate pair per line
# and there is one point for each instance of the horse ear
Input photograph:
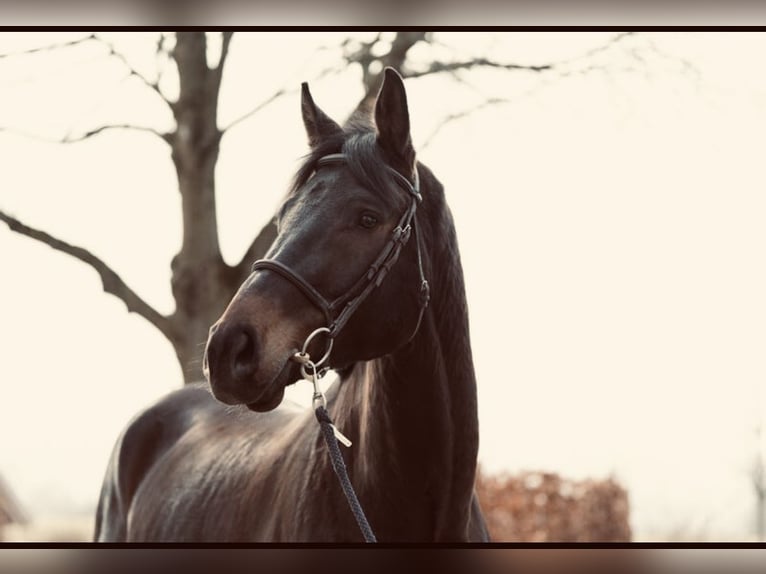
x,y
393,119
318,124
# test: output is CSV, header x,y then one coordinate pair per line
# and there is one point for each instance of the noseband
x,y
339,311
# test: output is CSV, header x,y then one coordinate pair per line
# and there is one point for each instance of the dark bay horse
x,y
230,466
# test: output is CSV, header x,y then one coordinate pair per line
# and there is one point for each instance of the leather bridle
x,y
339,311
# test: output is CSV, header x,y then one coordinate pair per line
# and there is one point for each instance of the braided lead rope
x,y
331,433
339,466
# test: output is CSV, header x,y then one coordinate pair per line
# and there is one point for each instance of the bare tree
x,y
202,282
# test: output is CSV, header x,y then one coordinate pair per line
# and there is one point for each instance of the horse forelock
x,y
364,158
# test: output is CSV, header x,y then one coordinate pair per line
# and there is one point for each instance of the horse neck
x,y
415,415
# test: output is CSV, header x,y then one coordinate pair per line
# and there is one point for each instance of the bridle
x,y
339,311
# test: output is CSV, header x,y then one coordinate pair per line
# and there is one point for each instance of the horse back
x,y
145,440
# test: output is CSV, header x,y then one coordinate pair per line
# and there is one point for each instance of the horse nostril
x,y
211,358
243,353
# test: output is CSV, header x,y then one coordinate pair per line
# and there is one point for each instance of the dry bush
x,y
543,507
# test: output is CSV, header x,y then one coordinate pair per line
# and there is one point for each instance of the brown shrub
x,y
543,507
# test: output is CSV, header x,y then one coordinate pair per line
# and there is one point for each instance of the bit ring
x,y
308,340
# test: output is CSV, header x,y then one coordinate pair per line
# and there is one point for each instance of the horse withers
x,y
364,228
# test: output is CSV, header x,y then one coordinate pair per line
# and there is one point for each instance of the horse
x,y
229,461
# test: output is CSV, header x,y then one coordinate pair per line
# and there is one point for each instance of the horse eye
x,y
368,221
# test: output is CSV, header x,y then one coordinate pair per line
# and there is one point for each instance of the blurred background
x,y
608,192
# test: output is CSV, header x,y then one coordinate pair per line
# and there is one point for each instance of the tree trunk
x,y
202,283
396,57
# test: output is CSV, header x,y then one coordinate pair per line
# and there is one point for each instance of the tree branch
x,y
395,58
225,42
217,72
112,282
437,67
459,115
67,139
257,249
50,47
155,86
279,93
601,48
95,131
560,67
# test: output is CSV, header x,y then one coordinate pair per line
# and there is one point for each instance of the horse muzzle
x,y
231,362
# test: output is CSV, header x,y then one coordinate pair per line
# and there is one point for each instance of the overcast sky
x,y
610,223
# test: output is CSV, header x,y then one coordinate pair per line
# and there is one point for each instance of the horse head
x,y
346,220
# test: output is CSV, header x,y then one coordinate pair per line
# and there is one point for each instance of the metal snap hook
x,y
318,399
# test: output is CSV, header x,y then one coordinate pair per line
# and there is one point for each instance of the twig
x,y
452,67
50,47
155,86
598,49
279,93
95,131
67,139
459,115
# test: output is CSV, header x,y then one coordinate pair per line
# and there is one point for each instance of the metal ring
x,y
329,347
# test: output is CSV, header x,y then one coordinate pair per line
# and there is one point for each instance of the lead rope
x,y
331,433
